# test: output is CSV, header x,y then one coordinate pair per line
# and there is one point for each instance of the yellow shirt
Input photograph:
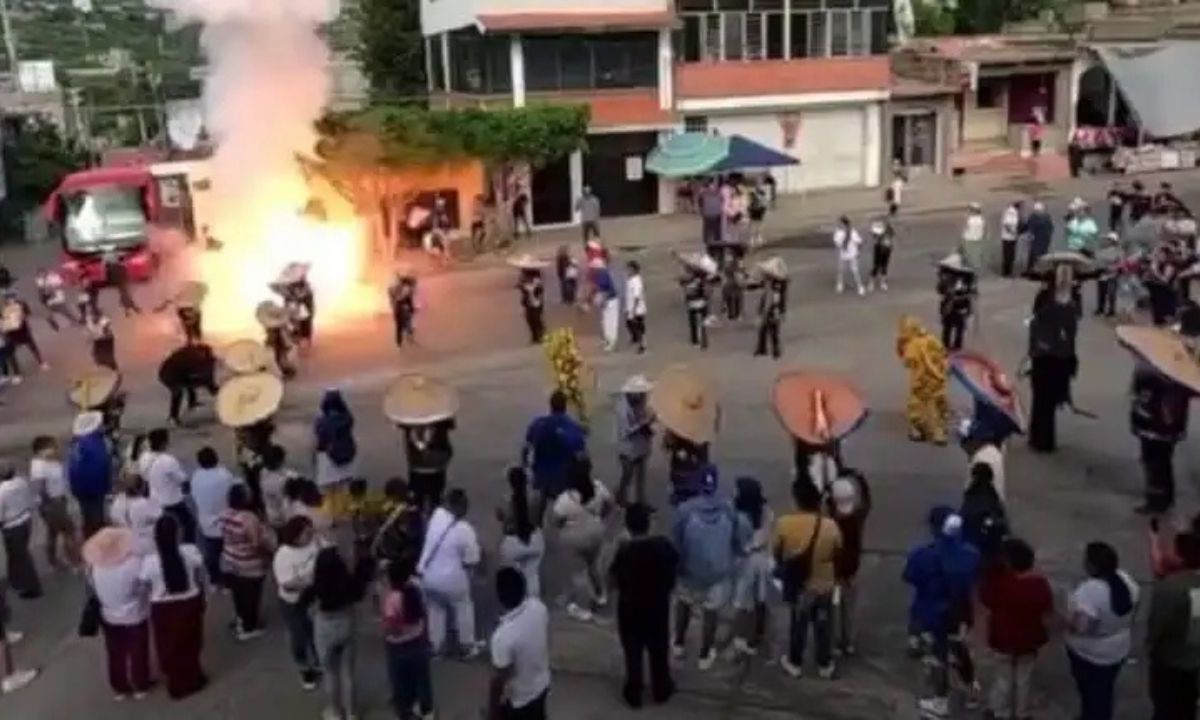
x,y
794,531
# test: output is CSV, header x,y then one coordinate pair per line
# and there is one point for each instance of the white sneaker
x,y
861,291
840,289
827,672
472,651
678,651
795,671
706,662
12,637
579,613
17,680
602,601
245,636
742,646
883,285
937,707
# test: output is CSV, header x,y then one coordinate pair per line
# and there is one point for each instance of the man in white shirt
x,y
166,479
1010,230
17,503
635,305
49,483
210,492
848,242
449,553
520,652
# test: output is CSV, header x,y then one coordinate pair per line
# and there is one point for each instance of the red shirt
x,y
1019,605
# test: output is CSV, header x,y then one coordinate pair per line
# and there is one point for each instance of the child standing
x,y
568,275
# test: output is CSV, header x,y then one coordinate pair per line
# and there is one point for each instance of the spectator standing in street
x,y
12,679
210,488
1116,206
89,470
114,578
884,236
580,512
336,594
753,581
449,554
850,504
712,216
848,243
805,547
520,653
18,502
134,511
1011,227
523,545
567,271
635,306
756,210
552,442
635,437
588,207
974,233
49,481
272,479
1020,602
1040,227
293,568
1099,618
175,574
166,479
406,642
245,549
710,537
605,298
1082,232
894,195
643,574
520,215
1171,637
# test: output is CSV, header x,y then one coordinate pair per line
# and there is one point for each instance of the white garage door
x,y
831,148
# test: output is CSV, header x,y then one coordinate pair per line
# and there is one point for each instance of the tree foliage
x,y
391,48
36,158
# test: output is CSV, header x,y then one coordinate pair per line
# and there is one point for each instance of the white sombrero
x,y
246,399
93,388
701,262
955,262
775,267
271,314
1076,261
246,356
637,385
526,261
419,400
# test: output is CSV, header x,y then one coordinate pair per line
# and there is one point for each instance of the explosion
x,y
267,84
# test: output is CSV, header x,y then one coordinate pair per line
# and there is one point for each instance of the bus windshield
x,y
103,217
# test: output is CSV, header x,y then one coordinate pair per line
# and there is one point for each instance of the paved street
x,y
472,335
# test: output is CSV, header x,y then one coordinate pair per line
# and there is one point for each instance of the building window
x,y
879,32
712,37
839,33
734,26
690,44
799,35
479,63
775,50
989,94
695,124
818,34
585,62
754,37
819,28
697,5
437,70
860,33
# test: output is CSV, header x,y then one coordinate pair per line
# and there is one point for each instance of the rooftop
x,y
580,19
997,49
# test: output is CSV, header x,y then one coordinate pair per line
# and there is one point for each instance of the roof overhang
x,y
594,20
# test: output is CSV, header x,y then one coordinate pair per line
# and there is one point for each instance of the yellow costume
x,y
567,365
925,357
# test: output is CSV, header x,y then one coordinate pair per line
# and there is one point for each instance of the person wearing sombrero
x,y
1165,379
187,308
247,404
818,411
298,300
956,289
684,404
699,274
188,369
635,437
772,306
533,295
1052,362
924,357
423,409
275,322
402,298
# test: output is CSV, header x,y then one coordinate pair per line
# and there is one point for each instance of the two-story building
x,y
805,77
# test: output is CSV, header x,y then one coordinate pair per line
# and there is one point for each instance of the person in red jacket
x,y
1019,601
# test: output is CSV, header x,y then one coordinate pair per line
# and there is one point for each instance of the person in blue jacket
x,y
89,470
942,572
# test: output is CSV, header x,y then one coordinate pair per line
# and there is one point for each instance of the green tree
x,y
390,47
36,158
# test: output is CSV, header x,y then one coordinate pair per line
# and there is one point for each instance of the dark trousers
x,y
633,472
427,488
125,297
533,710
8,361
247,599
211,548
1036,250
404,326
768,335
178,638
187,523
881,259
128,651
1114,217
1008,256
710,230
23,338
59,309
1106,296
568,290
535,321
1049,382
300,635
478,235
1159,473
104,352
637,330
22,573
1096,685
1174,692
591,229
731,298
641,638
92,513
953,328
815,610
181,392
1162,302
408,668
697,330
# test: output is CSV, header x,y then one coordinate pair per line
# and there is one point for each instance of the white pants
x,y
610,316
441,605
850,265
1012,675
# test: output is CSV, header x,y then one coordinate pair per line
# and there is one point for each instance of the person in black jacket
x,y
186,370
533,302
1158,417
1052,361
643,573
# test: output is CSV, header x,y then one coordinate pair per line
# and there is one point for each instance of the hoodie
x,y
942,573
89,467
709,535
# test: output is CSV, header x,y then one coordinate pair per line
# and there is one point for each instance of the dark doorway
x,y
552,193
613,167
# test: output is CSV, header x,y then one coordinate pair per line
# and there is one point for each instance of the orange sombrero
x,y
818,408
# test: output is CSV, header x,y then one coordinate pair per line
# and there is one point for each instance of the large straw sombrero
x,y
1163,350
1078,262
700,262
246,356
525,261
685,402
817,408
271,314
774,267
987,382
108,547
956,263
636,385
293,272
93,388
419,400
246,399
191,295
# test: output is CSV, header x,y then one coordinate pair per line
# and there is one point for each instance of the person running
x,y
337,591
18,501
245,548
210,486
643,574
406,642
1099,619
753,580
114,579
848,242
49,480
522,546
183,372
53,296
580,512
450,552
292,568
520,652
175,574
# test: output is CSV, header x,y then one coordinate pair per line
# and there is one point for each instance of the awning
x,y
1159,83
687,154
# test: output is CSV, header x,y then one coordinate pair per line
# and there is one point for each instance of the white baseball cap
x,y
845,496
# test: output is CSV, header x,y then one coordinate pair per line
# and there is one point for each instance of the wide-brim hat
x,y
293,272
419,400
87,423
1163,350
247,399
108,547
93,388
1078,262
700,262
987,382
271,314
684,400
817,408
955,263
246,356
774,267
525,261
636,385
191,294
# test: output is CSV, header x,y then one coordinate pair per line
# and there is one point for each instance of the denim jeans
x,y
410,677
210,549
1096,685
333,634
816,609
300,635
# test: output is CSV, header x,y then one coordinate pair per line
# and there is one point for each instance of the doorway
x,y
551,190
613,167
914,140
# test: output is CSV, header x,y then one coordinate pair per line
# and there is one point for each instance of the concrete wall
x,y
444,15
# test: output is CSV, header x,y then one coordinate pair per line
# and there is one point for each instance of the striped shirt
x,y
245,550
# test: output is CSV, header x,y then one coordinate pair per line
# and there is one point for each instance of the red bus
x,y
102,212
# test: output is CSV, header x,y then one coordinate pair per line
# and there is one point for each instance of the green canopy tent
x,y
690,154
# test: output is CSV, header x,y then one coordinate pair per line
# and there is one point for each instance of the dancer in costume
x,y
772,306
685,404
698,276
424,409
533,294
402,297
1052,363
925,358
956,288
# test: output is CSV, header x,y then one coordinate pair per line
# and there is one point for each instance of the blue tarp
x,y
743,153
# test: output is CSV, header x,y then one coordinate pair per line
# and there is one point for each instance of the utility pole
x,y
10,42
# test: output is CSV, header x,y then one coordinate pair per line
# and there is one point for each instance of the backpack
x,y
707,561
342,448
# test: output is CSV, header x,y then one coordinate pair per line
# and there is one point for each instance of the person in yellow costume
x,y
925,358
